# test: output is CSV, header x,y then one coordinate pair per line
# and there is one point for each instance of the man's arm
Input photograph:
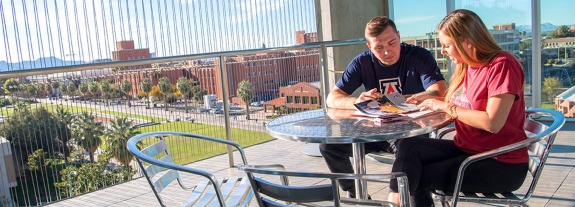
x,y
339,99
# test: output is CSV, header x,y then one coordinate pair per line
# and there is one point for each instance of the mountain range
x,y
545,27
38,63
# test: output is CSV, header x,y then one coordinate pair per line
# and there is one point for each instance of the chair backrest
x,y
275,194
539,142
160,170
543,137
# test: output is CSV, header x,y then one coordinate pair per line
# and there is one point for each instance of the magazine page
x,y
389,107
398,101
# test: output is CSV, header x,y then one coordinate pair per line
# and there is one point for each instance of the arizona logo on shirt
x,y
390,85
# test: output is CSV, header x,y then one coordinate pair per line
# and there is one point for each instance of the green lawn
x,y
547,105
74,109
185,150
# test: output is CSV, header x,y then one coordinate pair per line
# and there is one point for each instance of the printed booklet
x,y
389,107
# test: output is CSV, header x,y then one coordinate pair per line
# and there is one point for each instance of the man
x,y
388,66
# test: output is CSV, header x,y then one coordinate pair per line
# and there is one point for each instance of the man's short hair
x,y
376,25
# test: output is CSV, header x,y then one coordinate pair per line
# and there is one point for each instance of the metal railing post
x,y
225,99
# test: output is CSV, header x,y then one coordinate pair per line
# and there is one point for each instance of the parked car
x,y
216,111
257,103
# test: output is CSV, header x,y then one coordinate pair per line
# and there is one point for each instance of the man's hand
x,y
368,95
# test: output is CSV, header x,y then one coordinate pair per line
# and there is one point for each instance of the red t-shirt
x,y
503,74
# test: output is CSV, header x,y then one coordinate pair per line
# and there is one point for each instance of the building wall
x,y
127,51
300,96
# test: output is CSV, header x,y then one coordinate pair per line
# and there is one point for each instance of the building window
x,y
305,99
282,94
297,99
314,100
289,99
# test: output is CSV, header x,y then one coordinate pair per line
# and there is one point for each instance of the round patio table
x,y
337,126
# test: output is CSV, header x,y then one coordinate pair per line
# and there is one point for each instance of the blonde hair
x,y
465,26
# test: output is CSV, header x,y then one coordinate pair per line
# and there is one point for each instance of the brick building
x,y
127,51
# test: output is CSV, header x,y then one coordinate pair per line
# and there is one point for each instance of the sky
x,y
417,17
90,28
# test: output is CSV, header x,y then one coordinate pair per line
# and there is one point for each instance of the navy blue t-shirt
x,y
415,70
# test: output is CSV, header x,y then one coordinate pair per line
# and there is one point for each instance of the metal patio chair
x,y
280,193
160,171
540,139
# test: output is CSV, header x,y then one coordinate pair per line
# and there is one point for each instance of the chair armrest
x,y
400,176
484,155
445,132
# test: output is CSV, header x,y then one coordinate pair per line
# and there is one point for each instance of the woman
x,y
485,101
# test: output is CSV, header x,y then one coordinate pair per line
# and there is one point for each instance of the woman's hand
x,y
433,104
419,97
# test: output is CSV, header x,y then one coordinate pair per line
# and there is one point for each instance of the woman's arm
x,y
491,120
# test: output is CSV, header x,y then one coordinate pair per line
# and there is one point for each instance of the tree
x,y
120,132
48,88
198,93
164,86
11,86
550,85
93,88
246,93
87,131
185,87
83,88
31,90
31,129
106,89
127,88
72,89
561,31
146,86
55,85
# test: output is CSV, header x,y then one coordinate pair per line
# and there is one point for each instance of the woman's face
x,y
448,48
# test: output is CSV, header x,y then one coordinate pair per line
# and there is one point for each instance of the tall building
x,y
301,37
127,51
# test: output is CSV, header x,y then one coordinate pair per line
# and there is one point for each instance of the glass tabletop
x,y
339,126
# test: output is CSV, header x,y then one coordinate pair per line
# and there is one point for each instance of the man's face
x,y
385,46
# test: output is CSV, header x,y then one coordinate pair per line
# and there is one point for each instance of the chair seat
x,y
506,198
235,190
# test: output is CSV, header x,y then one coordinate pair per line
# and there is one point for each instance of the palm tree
x,y
120,132
164,86
72,90
127,88
87,132
246,93
93,88
48,88
83,88
55,85
147,87
106,90
185,88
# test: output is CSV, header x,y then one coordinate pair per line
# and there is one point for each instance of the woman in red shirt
x,y
485,100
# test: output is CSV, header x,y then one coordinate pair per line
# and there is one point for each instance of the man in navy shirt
x,y
388,66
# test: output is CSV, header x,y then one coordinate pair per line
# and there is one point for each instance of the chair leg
x,y
445,204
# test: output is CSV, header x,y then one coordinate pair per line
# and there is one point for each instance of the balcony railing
x,y
63,128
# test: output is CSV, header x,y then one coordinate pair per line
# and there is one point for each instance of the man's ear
x,y
367,44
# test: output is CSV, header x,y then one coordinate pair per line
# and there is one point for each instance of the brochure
x,y
388,105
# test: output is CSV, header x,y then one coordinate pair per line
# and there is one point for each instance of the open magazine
x,y
389,107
